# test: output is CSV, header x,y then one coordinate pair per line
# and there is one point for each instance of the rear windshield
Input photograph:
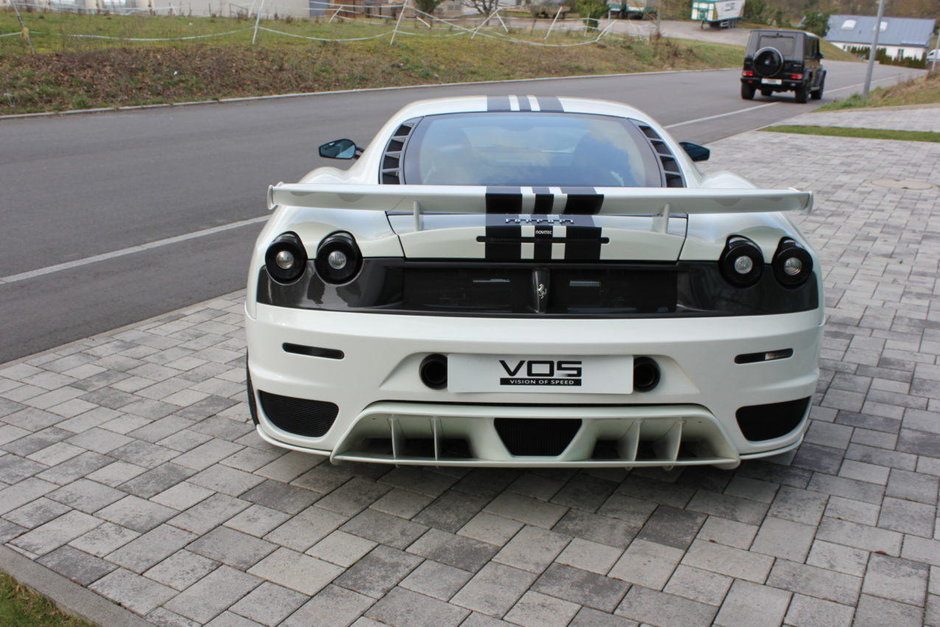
x,y
786,44
529,149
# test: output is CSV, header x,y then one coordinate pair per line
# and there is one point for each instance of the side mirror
x,y
340,149
696,152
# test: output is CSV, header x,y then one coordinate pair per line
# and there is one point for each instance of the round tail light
x,y
792,263
286,258
741,262
338,258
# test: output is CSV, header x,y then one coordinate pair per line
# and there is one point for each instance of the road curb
x,y
67,595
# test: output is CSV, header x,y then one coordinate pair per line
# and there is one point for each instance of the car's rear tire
x,y
818,94
747,91
802,94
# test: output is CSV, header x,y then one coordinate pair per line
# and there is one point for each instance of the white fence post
x,y
500,18
254,36
487,19
553,22
397,22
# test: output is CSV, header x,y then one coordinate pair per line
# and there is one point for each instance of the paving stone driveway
x,y
128,464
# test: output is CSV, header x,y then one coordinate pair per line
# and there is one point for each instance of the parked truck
x,y
718,13
632,9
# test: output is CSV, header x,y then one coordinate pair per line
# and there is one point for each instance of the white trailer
x,y
718,13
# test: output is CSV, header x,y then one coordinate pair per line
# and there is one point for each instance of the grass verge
x,y
865,133
68,72
915,92
21,607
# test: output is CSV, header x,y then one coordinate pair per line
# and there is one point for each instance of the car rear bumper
x,y
385,413
784,85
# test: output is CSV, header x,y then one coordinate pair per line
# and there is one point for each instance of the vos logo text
x,y
542,372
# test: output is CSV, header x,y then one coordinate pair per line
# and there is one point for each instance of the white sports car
x,y
531,281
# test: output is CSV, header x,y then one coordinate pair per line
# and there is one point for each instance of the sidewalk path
x,y
920,118
128,464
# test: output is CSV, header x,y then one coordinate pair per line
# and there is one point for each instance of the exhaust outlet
x,y
433,371
645,374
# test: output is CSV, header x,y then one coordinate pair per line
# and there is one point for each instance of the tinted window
x,y
530,149
786,44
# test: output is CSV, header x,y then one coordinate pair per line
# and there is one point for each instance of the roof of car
x,y
784,31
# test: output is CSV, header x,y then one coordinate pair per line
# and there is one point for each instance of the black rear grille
x,y
570,290
582,290
299,415
537,436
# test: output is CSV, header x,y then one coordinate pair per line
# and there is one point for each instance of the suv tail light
x,y
796,77
748,73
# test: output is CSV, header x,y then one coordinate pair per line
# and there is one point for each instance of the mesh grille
x,y
535,436
299,415
764,422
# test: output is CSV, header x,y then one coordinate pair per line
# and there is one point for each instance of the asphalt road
x,y
80,186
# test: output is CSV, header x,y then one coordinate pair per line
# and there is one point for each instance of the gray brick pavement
x,y
128,464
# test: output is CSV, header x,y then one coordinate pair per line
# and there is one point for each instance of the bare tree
x,y
483,7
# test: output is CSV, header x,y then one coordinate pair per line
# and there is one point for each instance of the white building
x,y
900,37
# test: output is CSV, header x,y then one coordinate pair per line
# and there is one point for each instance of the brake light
x,y
748,73
796,77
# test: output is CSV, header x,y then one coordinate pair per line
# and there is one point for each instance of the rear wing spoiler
x,y
419,199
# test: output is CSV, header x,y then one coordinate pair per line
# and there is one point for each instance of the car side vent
x,y
672,176
391,158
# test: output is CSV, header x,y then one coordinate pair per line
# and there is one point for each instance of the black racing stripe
x,y
543,242
503,199
582,200
550,103
503,241
583,243
497,103
544,200
524,103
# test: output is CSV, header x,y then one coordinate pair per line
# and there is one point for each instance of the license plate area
x,y
771,81
592,374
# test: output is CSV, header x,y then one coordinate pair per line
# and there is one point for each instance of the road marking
x,y
722,115
68,265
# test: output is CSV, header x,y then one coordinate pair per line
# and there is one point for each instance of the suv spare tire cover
x,y
768,61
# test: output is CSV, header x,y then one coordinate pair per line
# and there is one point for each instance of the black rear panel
x,y
554,289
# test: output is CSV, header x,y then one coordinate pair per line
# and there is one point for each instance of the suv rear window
x,y
530,149
786,44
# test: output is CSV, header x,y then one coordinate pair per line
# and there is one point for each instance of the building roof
x,y
895,31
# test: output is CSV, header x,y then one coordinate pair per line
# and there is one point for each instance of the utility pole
x,y
936,47
874,49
